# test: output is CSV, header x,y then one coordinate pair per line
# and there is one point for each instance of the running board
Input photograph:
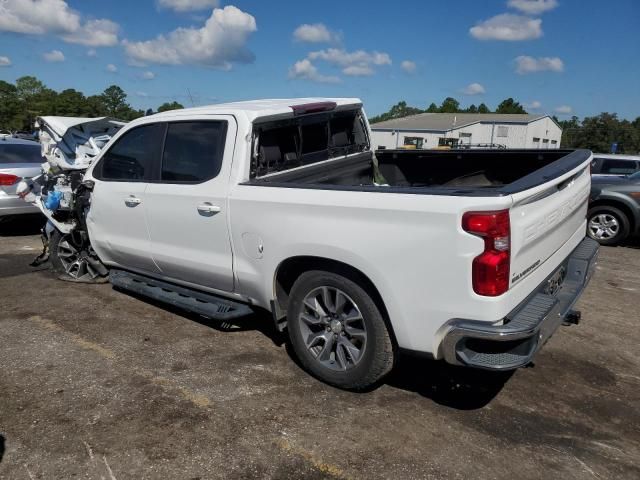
x,y
191,300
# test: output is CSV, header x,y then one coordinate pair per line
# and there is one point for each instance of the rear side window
x,y
193,151
132,157
618,167
17,153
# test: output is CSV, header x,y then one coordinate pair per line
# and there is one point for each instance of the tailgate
x,y
544,218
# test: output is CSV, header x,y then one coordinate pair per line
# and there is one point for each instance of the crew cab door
x,y
116,221
186,205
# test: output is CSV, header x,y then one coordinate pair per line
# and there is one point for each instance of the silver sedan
x,y
19,159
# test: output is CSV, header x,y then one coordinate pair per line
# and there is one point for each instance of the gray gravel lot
x,y
99,384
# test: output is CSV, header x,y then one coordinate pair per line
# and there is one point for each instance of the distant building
x,y
430,130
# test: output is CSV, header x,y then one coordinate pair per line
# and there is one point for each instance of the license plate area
x,y
554,283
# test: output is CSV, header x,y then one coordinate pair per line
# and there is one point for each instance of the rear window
x,y
20,153
308,139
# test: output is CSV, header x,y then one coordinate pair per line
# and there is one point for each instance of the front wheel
x,y
607,225
337,331
74,259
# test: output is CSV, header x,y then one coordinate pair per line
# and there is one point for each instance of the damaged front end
x,y
70,146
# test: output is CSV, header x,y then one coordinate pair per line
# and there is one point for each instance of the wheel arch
x,y
290,269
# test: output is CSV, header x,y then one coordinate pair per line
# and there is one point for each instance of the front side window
x,y
132,157
193,151
618,167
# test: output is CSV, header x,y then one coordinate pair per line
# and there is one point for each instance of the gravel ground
x,y
99,384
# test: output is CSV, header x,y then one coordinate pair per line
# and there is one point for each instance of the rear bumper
x,y
525,330
14,205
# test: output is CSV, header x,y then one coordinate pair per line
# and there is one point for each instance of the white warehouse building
x,y
431,130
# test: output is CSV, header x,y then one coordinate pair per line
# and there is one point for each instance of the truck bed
x,y
472,173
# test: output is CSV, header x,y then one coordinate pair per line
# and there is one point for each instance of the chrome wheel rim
x,y
77,260
604,226
333,328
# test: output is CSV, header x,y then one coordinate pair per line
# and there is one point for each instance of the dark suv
x,y
614,208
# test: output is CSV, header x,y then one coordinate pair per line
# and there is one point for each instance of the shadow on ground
x,y
454,387
22,225
1,447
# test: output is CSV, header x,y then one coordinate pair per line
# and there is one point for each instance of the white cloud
x,y
508,27
408,66
39,17
359,63
112,68
563,109
219,43
92,52
148,75
53,56
535,105
473,89
95,33
526,64
306,70
188,5
5,62
142,94
533,7
315,33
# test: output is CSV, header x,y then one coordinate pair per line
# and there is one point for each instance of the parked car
x,y
19,159
614,165
614,208
474,257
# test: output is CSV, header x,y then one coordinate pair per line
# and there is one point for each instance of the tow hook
x,y
572,318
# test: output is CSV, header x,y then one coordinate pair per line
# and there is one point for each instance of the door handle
x,y
132,201
207,209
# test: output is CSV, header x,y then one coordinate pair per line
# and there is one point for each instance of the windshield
x,y
20,153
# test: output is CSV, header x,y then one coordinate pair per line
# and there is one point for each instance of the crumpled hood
x,y
71,143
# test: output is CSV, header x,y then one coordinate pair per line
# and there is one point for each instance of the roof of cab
x,y
259,108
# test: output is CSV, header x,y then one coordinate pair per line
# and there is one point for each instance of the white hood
x,y
71,143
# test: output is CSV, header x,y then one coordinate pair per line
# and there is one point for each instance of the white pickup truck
x,y
474,257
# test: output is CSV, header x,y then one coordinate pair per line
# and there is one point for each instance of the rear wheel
x,y
337,331
607,225
73,257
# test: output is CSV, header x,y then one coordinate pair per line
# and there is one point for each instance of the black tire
x,y
88,267
56,263
377,356
622,229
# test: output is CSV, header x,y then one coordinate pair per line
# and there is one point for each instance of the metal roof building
x,y
430,130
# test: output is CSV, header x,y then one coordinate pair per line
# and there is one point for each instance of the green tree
x,y
70,103
115,101
472,109
482,108
399,110
170,106
35,100
94,107
510,106
433,108
450,105
9,106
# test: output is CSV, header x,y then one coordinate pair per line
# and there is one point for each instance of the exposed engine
x,y
69,145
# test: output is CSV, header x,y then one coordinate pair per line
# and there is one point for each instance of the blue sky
x,y
567,57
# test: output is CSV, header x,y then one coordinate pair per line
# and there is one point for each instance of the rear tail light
x,y
7,179
490,272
